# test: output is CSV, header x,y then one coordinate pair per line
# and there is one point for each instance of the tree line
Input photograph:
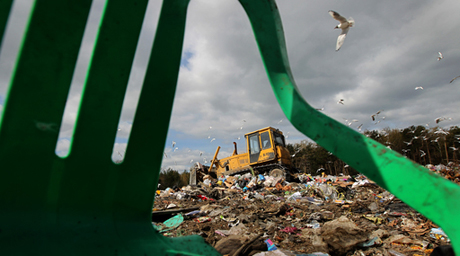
x,y
418,143
170,178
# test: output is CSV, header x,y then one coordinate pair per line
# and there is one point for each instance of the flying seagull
x,y
374,115
422,153
439,119
345,24
439,56
454,79
418,87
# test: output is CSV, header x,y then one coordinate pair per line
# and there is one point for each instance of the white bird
x,y
441,131
408,143
418,87
340,101
439,119
422,153
345,24
440,56
175,149
173,144
213,139
320,169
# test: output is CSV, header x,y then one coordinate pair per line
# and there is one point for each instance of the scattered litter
x,y
169,224
320,215
439,234
270,245
193,213
171,206
374,241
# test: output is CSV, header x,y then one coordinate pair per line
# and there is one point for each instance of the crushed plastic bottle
x,y
270,245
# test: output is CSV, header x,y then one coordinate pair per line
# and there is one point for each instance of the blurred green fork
x,y
85,204
430,194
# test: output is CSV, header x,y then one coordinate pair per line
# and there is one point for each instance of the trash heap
x,y
318,215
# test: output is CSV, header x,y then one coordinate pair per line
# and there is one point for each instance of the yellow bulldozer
x,y
266,153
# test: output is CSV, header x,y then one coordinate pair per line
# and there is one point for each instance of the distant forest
x,y
418,143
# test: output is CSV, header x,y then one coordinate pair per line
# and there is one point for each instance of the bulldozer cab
x,y
263,145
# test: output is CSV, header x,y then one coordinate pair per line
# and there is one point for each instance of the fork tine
x,y
98,117
148,135
5,8
42,76
36,99
155,102
103,93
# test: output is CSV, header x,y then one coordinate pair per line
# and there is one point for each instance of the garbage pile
x,y
318,215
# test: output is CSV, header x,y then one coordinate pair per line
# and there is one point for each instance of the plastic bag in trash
x,y
438,233
296,195
193,212
169,224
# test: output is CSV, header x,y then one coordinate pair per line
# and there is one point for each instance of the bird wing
x,y
341,39
351,22
454,79
337,16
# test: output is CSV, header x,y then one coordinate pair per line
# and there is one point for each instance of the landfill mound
x,y
317,215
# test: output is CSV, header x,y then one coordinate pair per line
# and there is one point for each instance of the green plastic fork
x,y
84,204
430,194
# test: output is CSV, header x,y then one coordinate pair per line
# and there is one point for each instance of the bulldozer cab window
x,y
279,139
265,139
254,146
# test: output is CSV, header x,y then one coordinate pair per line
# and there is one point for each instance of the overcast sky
x,y
391,50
